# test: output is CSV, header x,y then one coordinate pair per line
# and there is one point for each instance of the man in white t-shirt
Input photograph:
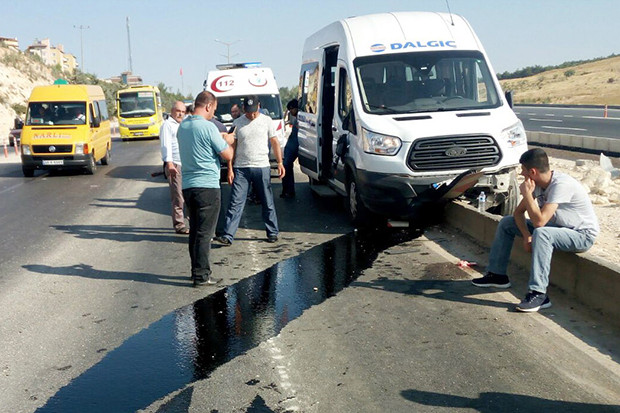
x,y
250,165
561,217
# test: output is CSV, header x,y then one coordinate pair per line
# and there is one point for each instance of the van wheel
x,y
106,159
359,214
92,165
28,172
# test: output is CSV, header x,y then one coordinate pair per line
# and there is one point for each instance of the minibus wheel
x,y
360,215
28,172
106,159
92,165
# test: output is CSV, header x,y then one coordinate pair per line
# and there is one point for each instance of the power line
x,y
228,44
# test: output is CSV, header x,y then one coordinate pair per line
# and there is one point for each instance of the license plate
x,y
54,162
138,133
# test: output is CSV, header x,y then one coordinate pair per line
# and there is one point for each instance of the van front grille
x,y
52,148
137,127
454,152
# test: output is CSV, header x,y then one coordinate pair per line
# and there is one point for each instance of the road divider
x,y
591,280
591,144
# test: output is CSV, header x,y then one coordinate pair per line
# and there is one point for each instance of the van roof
x,y
66,93
139,88
406,32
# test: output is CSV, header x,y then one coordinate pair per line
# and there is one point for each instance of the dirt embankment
x,y
18,75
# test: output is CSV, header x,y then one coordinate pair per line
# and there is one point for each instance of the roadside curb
x,y
591,144
593,281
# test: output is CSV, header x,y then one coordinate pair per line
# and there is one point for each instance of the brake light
x,y
85,148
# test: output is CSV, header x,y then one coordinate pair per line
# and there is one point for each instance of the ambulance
x,y
403,110
231,83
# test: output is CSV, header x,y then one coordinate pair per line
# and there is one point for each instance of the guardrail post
x,y
605,113
6,151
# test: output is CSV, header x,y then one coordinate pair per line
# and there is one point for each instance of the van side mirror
x,y
508,95
95,123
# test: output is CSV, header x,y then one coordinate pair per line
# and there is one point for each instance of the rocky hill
x,y
593,83
18,75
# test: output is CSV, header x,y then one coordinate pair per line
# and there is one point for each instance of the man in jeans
x,y
253,132
200,144
561,217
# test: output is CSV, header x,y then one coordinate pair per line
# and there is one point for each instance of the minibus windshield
x,y
269,105
425,82
136,104
56,113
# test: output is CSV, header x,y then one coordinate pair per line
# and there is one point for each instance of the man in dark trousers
x,y
200,147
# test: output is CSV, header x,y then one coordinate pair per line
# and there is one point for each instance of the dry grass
x,y
596,83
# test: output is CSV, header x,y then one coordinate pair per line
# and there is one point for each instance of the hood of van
x,y
420,125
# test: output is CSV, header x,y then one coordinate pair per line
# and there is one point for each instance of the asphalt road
x,y
97,312
572,121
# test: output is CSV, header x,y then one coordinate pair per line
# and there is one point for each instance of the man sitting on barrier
x,y
561,217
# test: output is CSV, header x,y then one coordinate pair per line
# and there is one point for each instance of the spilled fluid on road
x,y
189,343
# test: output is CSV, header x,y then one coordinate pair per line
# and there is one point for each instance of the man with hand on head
x,y
253,131
200,147
561,217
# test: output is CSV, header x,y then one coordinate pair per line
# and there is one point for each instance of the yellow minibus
x,y
67,126
140,114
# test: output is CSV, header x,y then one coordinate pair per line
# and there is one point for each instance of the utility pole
x,y
129,47
81,44
228,44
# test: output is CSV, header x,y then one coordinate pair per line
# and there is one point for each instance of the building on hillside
x,y
126,78
10,42
53,55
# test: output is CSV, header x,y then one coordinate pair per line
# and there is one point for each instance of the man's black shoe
x,y
272,238
223,240
209,281
533,302
492,280
287,195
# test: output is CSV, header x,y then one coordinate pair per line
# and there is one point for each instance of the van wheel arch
x,y
91,167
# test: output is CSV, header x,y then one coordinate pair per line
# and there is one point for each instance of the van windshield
x,y
136,104
270,105
425,82
56,113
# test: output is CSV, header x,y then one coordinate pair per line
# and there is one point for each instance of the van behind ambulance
x,y
231,83
67,126
400,110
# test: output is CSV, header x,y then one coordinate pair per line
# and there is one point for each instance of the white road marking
x,y
556,127
599,117
546,120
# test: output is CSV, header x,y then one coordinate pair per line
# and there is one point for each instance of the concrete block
x,y
533,137
614,145
554,139
602,144
589,142
576,141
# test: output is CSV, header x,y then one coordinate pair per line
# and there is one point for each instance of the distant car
x,y
14,136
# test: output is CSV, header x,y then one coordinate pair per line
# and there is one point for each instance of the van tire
x,y
359,214
91,168
28,172
106,159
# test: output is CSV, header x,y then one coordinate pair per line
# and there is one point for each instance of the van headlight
x,y
123,123
79,149
515,135
380,144
26,150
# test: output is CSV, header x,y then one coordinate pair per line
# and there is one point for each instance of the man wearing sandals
x,y
172,164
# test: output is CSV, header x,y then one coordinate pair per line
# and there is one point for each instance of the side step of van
x,y
323,191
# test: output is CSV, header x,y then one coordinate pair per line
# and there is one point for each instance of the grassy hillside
x,y
593,83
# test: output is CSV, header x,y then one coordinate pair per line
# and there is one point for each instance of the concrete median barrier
x,y
592,281
591,144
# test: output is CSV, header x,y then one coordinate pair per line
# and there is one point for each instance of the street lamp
x,y
228,44
81,44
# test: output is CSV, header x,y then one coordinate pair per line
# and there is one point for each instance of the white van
x,y
393,107
231,83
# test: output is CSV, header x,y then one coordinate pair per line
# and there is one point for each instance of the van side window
x,y
94,113
103,109
345,98
309,87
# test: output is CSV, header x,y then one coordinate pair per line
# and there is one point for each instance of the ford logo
x,y
456,151
52,148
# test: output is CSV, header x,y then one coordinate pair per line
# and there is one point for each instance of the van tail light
x,y
279,126
85,148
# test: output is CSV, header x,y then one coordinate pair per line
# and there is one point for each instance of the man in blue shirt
x,y
200,147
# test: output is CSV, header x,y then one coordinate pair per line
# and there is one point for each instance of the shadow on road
x,y
88,271
122,233
495,402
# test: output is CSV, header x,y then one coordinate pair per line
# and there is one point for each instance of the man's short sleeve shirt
x,y
253,141
199,146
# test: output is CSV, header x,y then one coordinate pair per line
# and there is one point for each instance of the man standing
x,y
200,143
172,164
561,217
291,151
253,132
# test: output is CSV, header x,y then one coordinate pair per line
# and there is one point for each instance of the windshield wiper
x,y
386,108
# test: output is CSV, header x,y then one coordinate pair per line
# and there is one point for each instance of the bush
x,y
569,73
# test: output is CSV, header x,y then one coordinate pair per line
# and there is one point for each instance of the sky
x,y
169,36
